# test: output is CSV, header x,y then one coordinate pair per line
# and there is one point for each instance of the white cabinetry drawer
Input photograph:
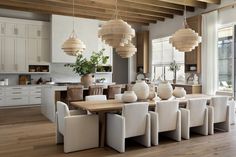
x,y
36,88
35,100
17,100
16,92
2,102
1,93
16,88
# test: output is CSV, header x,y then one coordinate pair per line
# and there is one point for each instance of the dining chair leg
x,y
102,130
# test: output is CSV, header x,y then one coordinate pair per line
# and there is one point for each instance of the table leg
x,y
102,128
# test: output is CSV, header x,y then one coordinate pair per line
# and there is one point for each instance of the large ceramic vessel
x,y
165,90
179,92
129,96
87,80
141,89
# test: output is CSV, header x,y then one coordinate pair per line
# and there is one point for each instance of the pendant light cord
x,y
185,16
73,15
116,10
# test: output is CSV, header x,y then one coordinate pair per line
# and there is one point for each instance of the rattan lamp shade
x,y
116,33
185,40
73,45
127,50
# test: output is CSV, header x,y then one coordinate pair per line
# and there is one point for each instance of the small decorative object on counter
x,y
152,93
129,96
141,89
179,92
165,90
174,67
195,79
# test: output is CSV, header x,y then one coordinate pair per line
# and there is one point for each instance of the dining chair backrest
x,y
197,108
62,112
219,104
112,90
95,97
167,114
129,87
135,115
96,90
75,93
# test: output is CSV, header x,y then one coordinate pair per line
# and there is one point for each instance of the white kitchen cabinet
x,y
9,55
38,44
11,96
86,29
1,53
15,29
3,28
20,55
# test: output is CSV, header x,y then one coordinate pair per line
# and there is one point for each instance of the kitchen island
x,y
51,93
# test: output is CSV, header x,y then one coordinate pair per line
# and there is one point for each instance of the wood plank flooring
x,y
26,133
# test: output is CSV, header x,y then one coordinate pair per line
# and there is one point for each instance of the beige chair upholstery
x,y
166,118
95,97
96,90
134,122
195,116
112,90
78,132
219,114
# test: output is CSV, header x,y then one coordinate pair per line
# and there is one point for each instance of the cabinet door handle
x,y
2,30
16,98
39,58
37,97
16,92
15,31
16,67
16,88
38,33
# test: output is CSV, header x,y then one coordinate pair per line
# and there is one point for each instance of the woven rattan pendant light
x,y
127,50
73,46
185,39
116,32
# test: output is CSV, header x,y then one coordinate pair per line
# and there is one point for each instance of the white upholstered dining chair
x,y
166,118
134,122
194,116
78,132
219,114
95,97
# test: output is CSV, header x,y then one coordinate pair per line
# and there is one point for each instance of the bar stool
x,y
112,90
74,93
129,87
96,90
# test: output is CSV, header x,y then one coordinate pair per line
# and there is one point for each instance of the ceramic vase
x,y
129,96
141,89
165,90
179,92
87,80
152,93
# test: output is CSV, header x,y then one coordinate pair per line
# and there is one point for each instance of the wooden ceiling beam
x,y
162,4
26,6
211,1
191,3
86,4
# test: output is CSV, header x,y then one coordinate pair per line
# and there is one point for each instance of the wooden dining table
x,y
105,106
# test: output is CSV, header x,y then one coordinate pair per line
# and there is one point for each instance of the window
x,y
225,58
162,55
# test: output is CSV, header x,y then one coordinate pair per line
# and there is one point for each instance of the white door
x,y
1,53
3,29
9,54
33,31
20,51
10,30
44,50
20,30
33,50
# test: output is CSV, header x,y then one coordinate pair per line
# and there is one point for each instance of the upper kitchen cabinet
x,y
39,43
62,26
193,58
143,51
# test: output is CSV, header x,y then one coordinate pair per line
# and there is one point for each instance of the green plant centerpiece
x,y
85,67
174,67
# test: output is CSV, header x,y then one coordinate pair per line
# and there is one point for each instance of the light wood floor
x,y
26,133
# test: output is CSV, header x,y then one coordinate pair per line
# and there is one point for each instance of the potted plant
x,y
174,67
85,67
